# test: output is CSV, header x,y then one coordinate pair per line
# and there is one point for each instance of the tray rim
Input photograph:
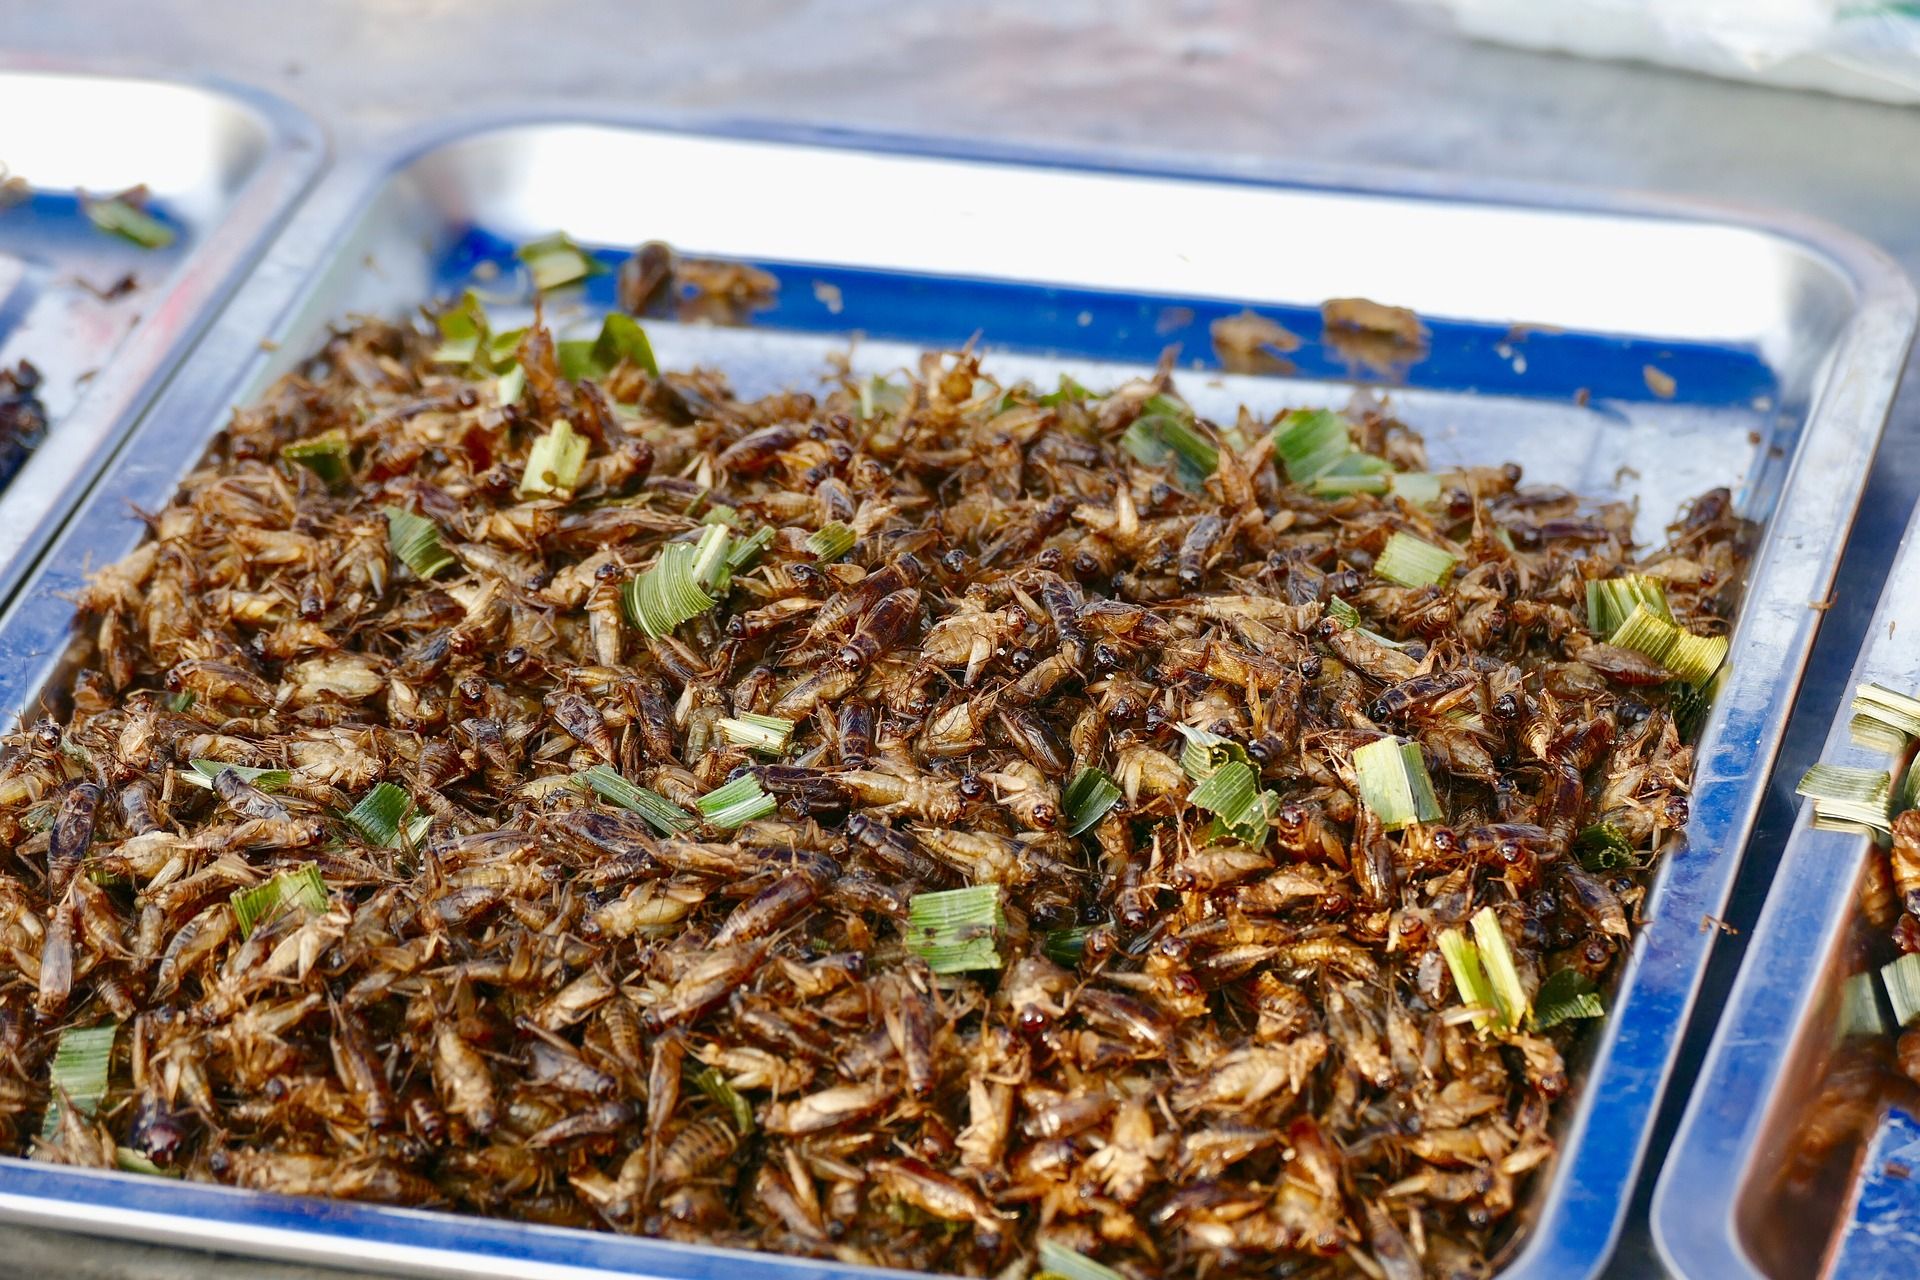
x,y
1575,1231
294,153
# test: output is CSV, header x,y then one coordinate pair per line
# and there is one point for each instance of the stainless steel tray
x,y
1721,1208
1546,309
224,165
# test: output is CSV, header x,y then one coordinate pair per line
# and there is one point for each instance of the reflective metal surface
x,y
1545,312
1721,1206
223,165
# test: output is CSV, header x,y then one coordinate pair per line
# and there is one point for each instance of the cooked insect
x,y
909,824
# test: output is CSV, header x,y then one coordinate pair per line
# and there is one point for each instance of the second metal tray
x,y
1612,345
223,165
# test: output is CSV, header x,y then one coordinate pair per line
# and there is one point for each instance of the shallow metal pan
x,y
224,165
1545,311
1722,1208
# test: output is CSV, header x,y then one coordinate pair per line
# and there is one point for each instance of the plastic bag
x,y
1861,48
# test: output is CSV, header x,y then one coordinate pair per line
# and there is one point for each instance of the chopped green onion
x,y
1604,847
1860,1007
1884,719
81,1062
721,513
182,701
877,395
1156,438
662,814
757,732
1564,997
381,816
119,218
669,593
326,455
203,773
742,551
1413,563
415,542
621,338
1610,601
1087,799
715,1086
1392,780
1343,613
1846,798
831,541
1205,752
1069,391
465,335
1066,946
1166,406
954,930
254,907
556,261
1229,791
509,385
710,556
1463,961
1421,488
127,1160
1069,1265
1692,658
554,462
737,803
1504,976
1309,442
1330,485
1902,979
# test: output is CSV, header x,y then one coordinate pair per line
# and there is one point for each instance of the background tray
x,y
224,165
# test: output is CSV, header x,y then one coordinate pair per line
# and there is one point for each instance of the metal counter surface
x,y
1297,80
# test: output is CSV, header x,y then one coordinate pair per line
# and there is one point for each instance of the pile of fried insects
x,y
930,823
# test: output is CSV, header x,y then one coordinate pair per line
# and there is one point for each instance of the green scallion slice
x,y
81,1062
381,816
1463,962
1228,792
1087,799
1604,847
1846,798
737,803
1860,1008
1332,485
769,734
1694,659
509,385
554,462
182,701
1069,1265
1206,752
557,261
742,551
326,455
1902,980
670,593
955,930
715,1086
117,217
1496,957
1413,563
1309,442
878,396
1392,780
1343,613
1069,392
261,903
831,541
1066,946
1157,438
1610,601
203,772
1884,719
415,542
622,338
466,336
660,813
1421,488
1564,997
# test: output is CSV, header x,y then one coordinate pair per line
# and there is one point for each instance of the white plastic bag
x,y
1862,48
